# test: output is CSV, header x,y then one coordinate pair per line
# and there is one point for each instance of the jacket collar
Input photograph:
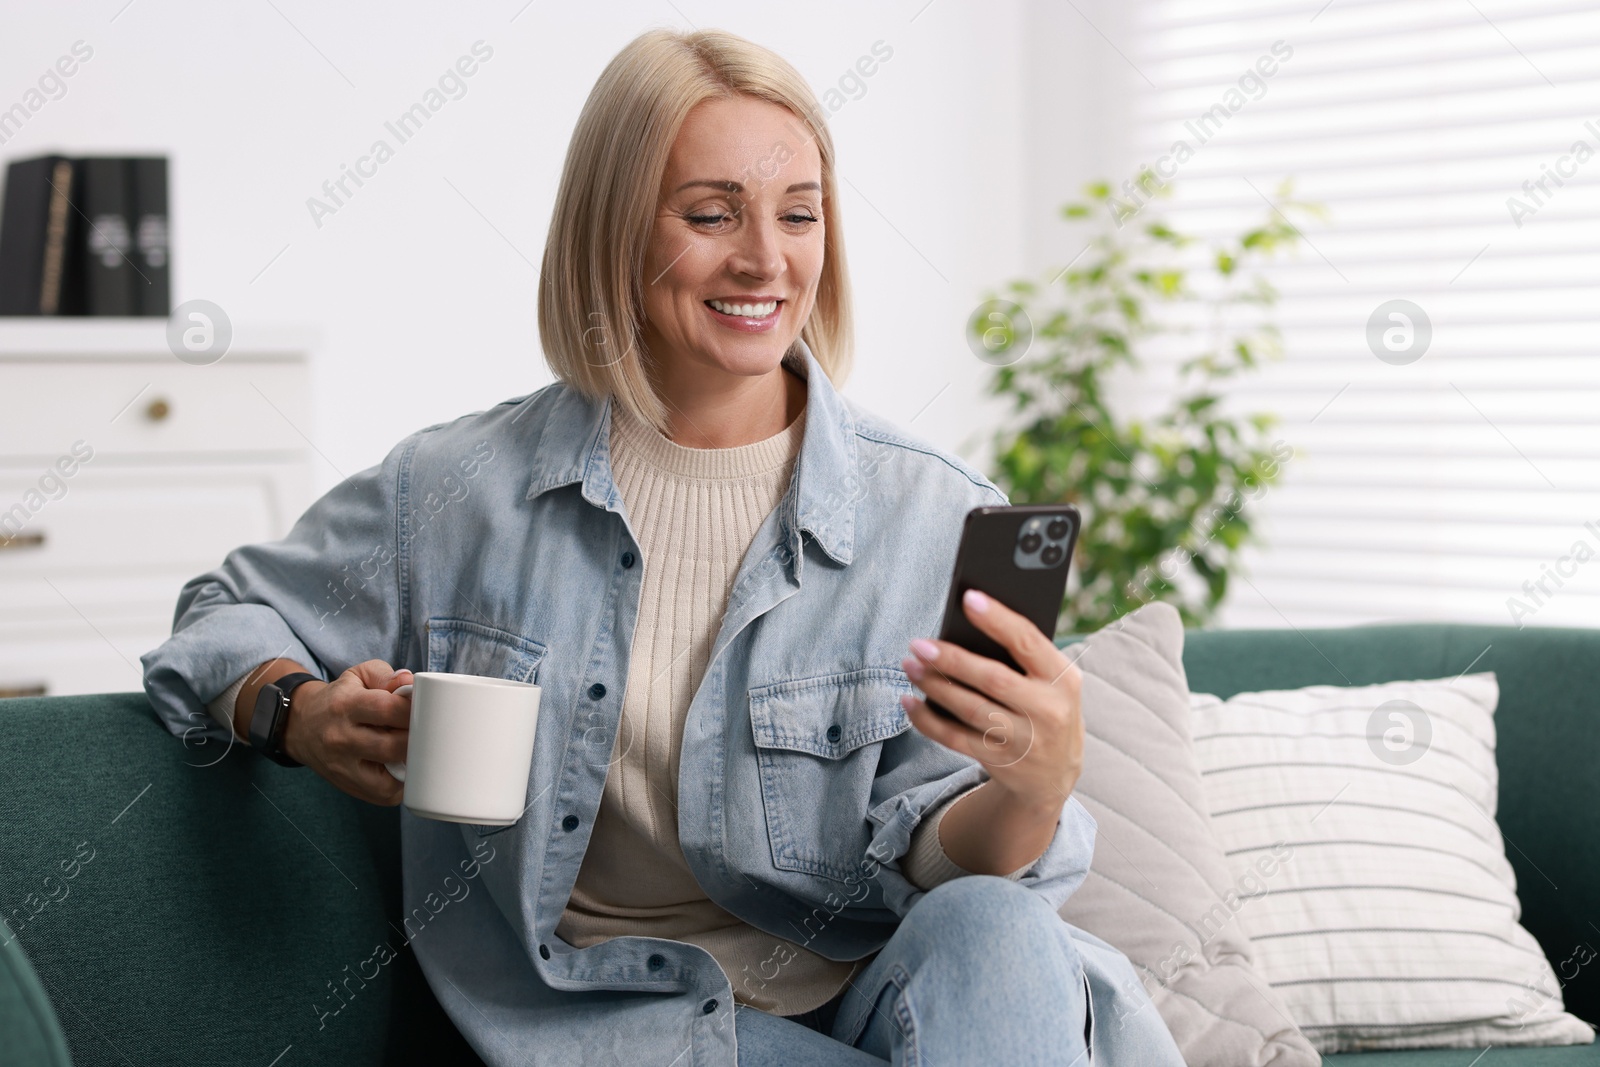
x,y
575,446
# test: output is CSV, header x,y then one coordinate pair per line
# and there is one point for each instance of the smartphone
x,y
1019,555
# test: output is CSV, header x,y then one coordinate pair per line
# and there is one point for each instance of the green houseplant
x,y
1165,495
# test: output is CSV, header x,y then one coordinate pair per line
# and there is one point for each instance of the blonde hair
x,y
591,288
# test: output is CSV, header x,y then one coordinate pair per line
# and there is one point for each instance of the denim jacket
x,y
497,544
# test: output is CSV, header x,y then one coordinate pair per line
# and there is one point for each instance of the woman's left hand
x,y
1025,728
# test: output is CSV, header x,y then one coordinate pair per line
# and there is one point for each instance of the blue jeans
x,y
980,971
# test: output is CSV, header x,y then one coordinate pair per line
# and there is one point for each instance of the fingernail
x,y
925,648
912,667
975,600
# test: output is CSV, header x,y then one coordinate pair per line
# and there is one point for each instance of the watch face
x,y
266,714
270,721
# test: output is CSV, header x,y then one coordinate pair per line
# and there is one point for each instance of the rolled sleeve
x,y
222,706
920,782
329,595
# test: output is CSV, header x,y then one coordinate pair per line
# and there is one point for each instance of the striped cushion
x,y
1392,918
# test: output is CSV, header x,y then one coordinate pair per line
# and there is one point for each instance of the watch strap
x,y
287,684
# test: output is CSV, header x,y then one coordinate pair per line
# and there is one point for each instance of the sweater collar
x,y
637,445
575,446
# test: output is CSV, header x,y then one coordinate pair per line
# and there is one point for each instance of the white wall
x,y
421,286
1079,92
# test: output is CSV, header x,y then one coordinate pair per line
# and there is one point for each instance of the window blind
x,y
1455,145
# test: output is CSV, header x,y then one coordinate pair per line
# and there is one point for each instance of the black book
x,y
39,238
152,252
109,272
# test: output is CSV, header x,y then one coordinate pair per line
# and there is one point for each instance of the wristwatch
x,y
272,715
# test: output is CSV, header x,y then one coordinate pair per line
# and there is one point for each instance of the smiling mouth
x,y
753,309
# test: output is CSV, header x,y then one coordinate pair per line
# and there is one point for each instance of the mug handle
x,y
399,769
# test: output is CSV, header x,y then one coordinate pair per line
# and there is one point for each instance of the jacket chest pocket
x,y
817,745
460,646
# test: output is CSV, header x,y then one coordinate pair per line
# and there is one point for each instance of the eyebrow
x,y
735,187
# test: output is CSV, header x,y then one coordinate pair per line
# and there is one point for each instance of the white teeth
x,y
750,311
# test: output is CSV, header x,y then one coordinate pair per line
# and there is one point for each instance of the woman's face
x,y
736,252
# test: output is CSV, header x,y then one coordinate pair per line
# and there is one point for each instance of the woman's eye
x,y
704,220
799,218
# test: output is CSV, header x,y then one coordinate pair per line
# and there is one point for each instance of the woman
x,y
712,565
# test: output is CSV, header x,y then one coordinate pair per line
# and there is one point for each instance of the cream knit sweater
x,y
694,512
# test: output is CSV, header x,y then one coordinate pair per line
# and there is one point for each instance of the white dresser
x,y
124,472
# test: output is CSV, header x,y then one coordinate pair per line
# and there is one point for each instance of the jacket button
x,y
570,823
627,559
834,732
544,951
656,961
596,691
710,1006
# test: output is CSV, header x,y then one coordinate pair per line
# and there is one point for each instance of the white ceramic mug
x,y
470,747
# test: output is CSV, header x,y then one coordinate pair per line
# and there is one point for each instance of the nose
x,y
758,252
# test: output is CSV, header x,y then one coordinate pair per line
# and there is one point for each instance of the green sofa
x,y
193,905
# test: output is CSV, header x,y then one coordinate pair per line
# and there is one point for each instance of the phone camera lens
x,y
1051,555
1057,529
1031,542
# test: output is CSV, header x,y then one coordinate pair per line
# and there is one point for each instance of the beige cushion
x,y
1159,888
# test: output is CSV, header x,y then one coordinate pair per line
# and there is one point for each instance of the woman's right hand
x,y
347,729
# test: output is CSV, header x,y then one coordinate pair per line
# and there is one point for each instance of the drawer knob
x,y
158,410
31,540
